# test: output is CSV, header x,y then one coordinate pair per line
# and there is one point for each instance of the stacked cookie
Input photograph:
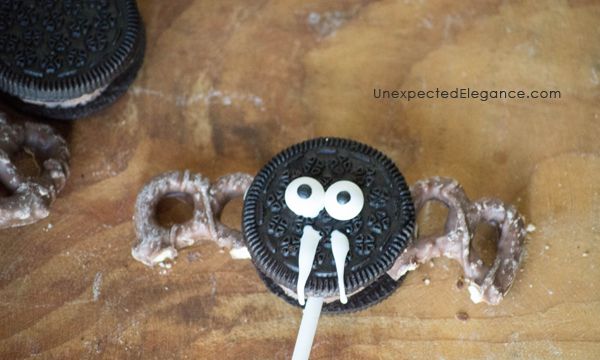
x,y
67,59
331,196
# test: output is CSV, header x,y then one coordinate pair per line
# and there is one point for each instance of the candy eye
x,y
344,200
305,196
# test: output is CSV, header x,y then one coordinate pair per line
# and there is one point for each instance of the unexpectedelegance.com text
x,y
467,93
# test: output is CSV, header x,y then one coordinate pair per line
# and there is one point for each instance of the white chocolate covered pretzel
x,y
157,243
488,284
30,197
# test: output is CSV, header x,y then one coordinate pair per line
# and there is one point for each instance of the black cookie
x,y
67,59
376,236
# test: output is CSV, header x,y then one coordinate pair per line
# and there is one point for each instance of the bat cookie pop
x,y
326,219
329,224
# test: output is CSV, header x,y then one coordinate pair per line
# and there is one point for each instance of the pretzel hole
x,y
25,161
4,192
485,240
432,219
232,214
174,208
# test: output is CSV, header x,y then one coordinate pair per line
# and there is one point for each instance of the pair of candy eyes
x,y
306,197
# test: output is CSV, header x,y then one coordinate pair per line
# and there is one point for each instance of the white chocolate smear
x,y
239,253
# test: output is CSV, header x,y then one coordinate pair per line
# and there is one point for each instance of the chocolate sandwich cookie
x,y
328,218
67,59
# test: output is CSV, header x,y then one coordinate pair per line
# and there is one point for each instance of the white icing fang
x,y
308,248
340,248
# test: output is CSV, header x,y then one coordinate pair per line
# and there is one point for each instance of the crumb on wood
x,y
459,285
462,317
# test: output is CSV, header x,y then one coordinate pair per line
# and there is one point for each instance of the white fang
x,y
308,248
340,248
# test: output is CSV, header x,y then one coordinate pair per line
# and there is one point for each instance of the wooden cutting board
x,y
228,84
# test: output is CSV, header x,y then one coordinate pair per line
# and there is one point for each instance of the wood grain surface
x,y
228,84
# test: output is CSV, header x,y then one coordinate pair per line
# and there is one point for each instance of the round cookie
x,y
377,229
67,59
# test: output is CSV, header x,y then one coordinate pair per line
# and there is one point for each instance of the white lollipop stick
x,y
340,248
306,256
308,327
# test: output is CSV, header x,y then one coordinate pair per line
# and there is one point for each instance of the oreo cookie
x,y
67,59
327,218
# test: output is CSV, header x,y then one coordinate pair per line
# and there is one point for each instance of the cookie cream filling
x,y
327,300
65,104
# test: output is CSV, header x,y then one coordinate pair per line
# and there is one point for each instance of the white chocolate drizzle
x,y
308,247
340,248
